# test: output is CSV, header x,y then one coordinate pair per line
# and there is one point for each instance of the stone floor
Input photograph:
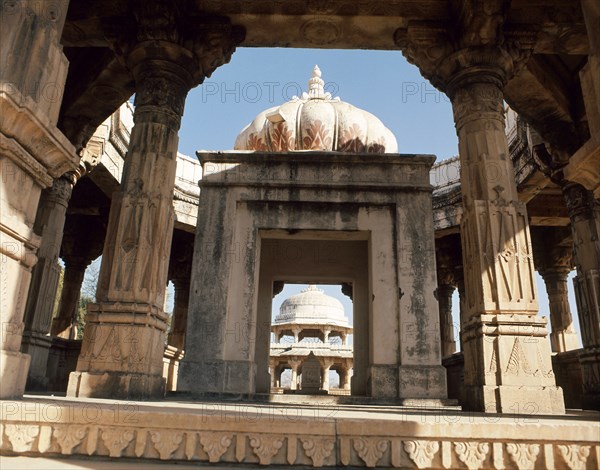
x,y
100,433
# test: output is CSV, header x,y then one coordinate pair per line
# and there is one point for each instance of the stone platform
x,y
230,434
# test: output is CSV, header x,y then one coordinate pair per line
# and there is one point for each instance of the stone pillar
x,y
123,344
584,212
507,356
295,365
32,153
563,336
62,325
591,14
444,294
180,271
176,336
553,258
325,374
326,334
49,224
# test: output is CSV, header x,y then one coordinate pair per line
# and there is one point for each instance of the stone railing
x,y
328,435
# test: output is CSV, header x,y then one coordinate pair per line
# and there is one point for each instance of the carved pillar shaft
x,y
563,336
584,212
294,383
69,298
507,355
325,381
448,344
176,336
124,336
49,224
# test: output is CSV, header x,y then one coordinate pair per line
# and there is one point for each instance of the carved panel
x,y
421,452
370,449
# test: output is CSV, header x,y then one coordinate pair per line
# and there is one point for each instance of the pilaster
x,y
444,295
122,350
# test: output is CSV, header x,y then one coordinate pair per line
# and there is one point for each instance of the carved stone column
x,y
552,251
444,294
584,212
69,298
49,224
295,365
507,355
325,374
563,336
180,272
32,153
123,344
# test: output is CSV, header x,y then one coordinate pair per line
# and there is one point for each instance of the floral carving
x,y
266,447
351,141
215,445
574,455
116,439
370,449
21,436
318,450
166,442
282,138
524,455
377,146
421,452
472,454
256,143
69,437
316,138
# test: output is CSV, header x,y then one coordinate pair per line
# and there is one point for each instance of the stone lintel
x,y
319,170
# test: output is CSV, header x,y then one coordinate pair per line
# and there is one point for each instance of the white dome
x,y
316,121
312,306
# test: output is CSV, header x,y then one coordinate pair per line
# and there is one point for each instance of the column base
x,y
217,377
525,400
422,382
13,370
37,345
118,385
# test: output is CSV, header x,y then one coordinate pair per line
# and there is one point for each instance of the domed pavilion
x,y
317,121
311,320
314,193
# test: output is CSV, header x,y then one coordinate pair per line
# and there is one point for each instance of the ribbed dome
x,y
312,306
316,121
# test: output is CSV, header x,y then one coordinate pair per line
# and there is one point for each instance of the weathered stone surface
x,y
351,196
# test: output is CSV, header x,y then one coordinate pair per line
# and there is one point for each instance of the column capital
x,y
581,203
482,53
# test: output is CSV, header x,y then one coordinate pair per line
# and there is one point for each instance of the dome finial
x,y
316,89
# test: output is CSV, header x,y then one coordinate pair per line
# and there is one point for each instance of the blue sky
x,y
380,82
